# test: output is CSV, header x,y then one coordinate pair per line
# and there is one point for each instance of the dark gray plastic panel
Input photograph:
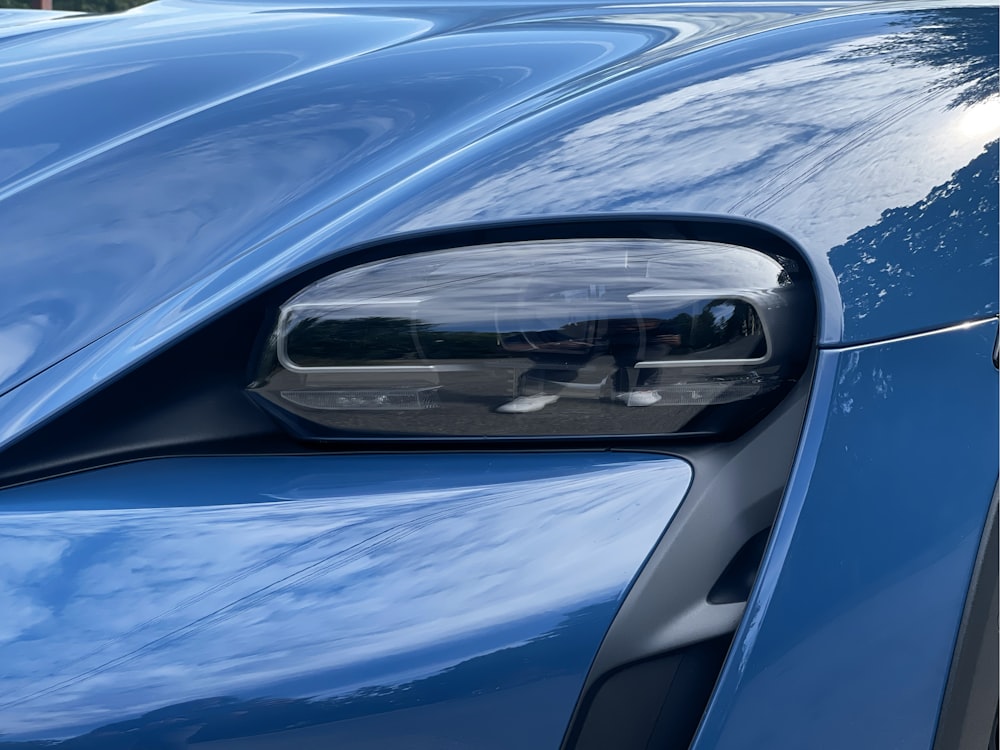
x,y
735,494
969,710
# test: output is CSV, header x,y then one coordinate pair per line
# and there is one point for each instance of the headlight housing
x,y
543,339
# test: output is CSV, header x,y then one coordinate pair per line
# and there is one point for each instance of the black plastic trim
x,y
733,499
654,704
969,710
737,579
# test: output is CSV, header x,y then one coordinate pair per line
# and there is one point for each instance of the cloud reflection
x,y
816,130
121,610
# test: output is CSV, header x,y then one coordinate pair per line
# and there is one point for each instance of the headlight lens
x,y
559,338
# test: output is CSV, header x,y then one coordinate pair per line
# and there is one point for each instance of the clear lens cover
x,y
553,338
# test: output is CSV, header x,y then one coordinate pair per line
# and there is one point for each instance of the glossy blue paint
x,y
214,129
234,144
848,637
319,600
869,139
853,126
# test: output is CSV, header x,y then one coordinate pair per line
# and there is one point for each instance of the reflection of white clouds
x,y
981,120
791,137
18,344
20,614
848,378
125,610
18,575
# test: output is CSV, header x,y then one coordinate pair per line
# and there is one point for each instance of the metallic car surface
x,y
251,119
853,126
848,639
218,148
215,589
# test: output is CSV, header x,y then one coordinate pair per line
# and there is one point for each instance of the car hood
x,y
145,150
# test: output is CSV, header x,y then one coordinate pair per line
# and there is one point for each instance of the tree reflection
x,y
316,342
962,42
948,240
319,341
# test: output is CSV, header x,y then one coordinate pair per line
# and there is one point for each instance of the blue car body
x,y
173,576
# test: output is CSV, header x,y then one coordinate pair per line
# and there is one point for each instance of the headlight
x,y
559,338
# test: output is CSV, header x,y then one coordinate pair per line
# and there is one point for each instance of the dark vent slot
x,y
655,703
737,579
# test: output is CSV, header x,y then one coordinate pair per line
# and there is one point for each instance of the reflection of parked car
x,y
264,271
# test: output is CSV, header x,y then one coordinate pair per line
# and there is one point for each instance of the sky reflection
x,y
111,611
816,130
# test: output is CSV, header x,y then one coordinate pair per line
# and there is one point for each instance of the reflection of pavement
x,y
468,399
568,416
